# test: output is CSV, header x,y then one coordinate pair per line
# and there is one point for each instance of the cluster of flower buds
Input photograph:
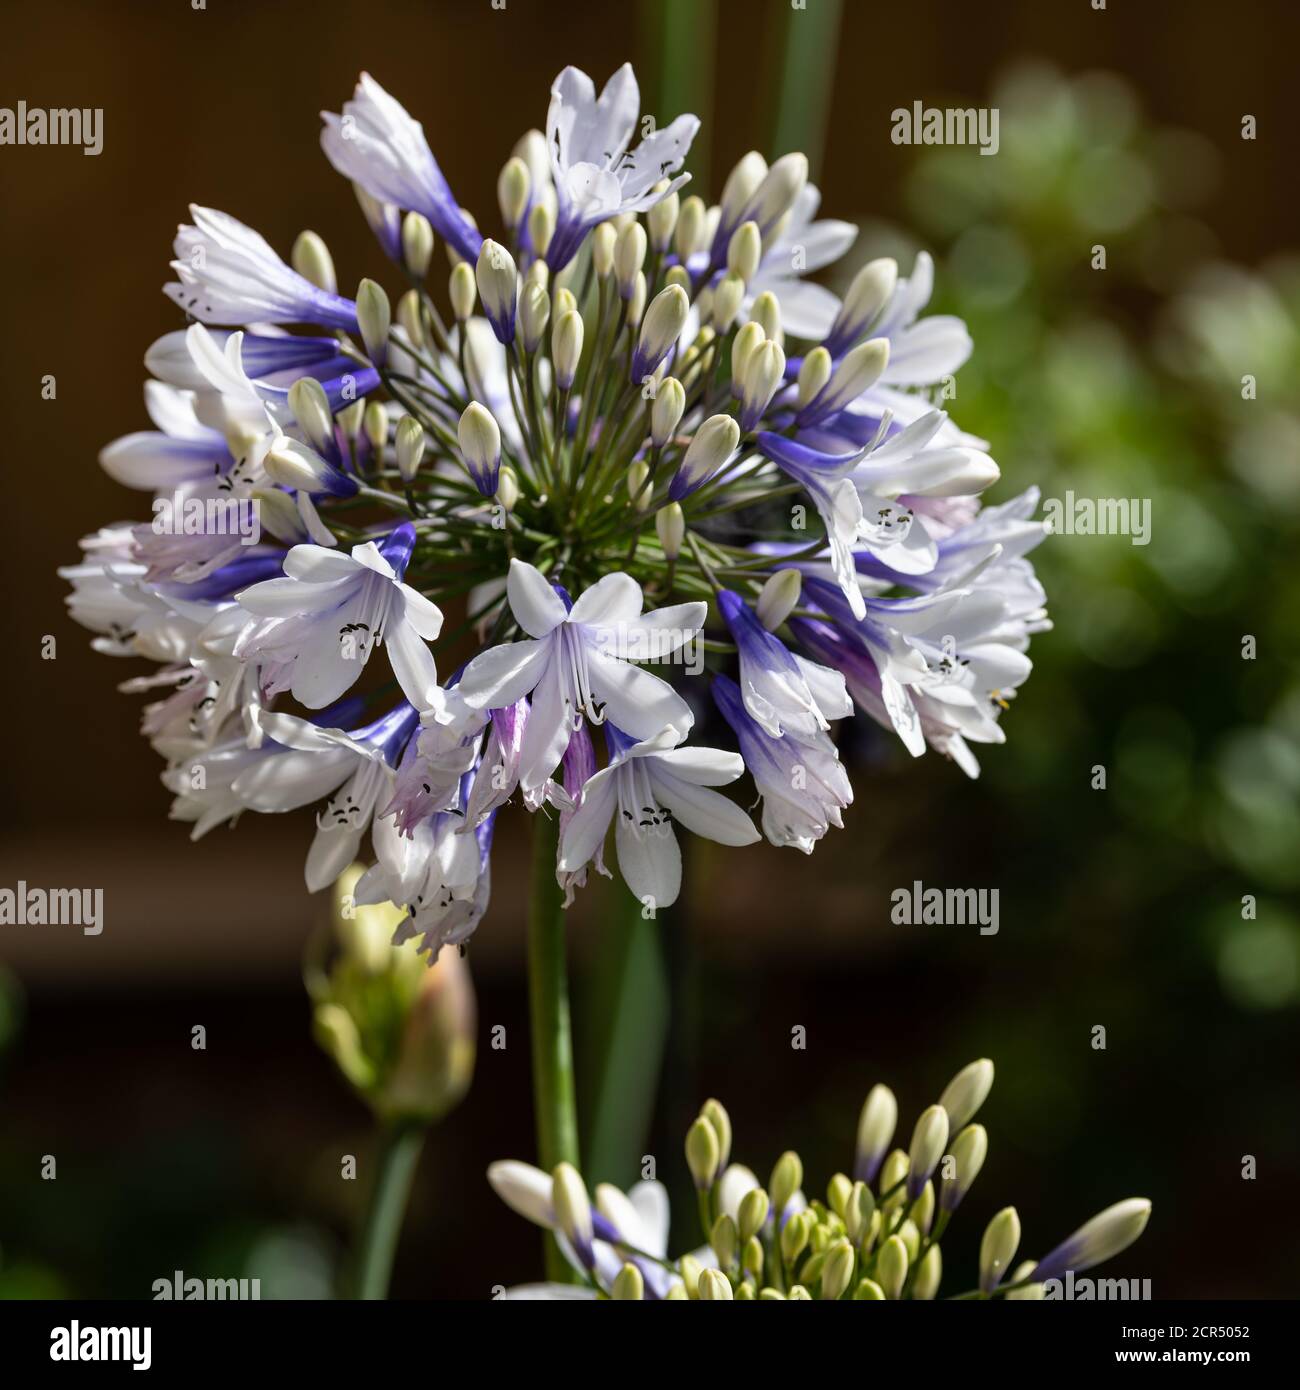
x,y
401,1034
874,1237
632,396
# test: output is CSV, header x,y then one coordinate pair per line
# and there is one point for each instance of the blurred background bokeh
x,y
1120,907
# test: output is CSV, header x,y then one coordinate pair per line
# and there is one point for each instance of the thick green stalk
x,y
399,1153
802,107
552,1040
625,1038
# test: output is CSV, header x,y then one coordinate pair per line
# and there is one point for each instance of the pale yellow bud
x,y
311,259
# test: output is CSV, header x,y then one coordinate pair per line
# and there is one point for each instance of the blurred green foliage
x,y
1113,348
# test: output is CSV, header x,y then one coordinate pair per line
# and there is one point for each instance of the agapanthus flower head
x,y
628,450
872,1237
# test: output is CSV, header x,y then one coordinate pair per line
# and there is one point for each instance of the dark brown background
x,y
220,106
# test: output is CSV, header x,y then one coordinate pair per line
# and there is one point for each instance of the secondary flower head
x,y
873,1239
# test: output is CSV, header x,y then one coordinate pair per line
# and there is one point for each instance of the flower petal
x,y
538,609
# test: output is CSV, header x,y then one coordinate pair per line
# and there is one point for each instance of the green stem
x,y
552,1040
399,1153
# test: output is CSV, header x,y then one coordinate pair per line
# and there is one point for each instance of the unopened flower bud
x,y
751,1258
868,1291
417,244
837,1271
514,183
745,251
814,373
463,291
858,1211
713,445
660,330
869,293
838,1192
929,1139
636,300
541,228
857,371
534,314
690,1269
562,301
754,1207
969,1150
661,220
1030,1293
637,474
573,1211
911,1238
702,1144
747,340
480,445
602,249
507,488
893,1173
794,1237
311,409
766,311
929,1273
787,1179
741,185
998,1248
566,347
336,1033
775,196
714,1286
629,256
374,318
727,297
716,1113
876,1127
410,319
723,1239
279,515
666,412
670,527
435,1058
628,1285
350,419
688,236
375,424
293,464
966,1092
764,372
498,288
409,446
1108,1233
922,1210
312,260
777,600
891,1267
